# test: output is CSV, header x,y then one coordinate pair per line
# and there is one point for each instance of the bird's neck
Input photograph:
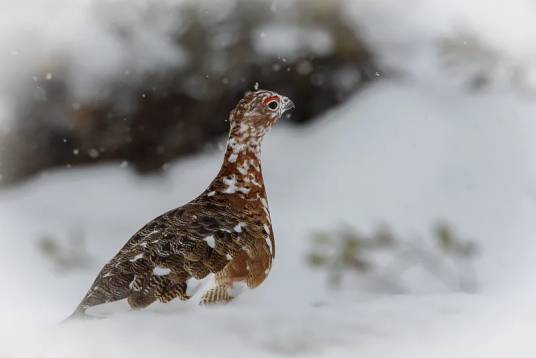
x,y
241,171
243,147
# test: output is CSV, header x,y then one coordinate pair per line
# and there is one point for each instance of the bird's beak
x,y
286,105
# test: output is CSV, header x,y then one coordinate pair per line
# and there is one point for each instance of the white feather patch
x,y
210,241
136,258
239,226
161,271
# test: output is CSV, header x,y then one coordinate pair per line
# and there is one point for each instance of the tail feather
x,y
78,314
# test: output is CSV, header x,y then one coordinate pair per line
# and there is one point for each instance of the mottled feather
x,y
226,231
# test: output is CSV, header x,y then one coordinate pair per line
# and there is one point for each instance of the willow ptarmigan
x,y
225,233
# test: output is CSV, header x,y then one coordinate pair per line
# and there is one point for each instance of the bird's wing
x,y
157,262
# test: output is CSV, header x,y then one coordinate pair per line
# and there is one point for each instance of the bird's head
x,y
258,111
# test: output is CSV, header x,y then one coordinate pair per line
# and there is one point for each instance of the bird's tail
x,y
78,314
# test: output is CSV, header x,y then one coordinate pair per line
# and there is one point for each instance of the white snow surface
x,y
405,152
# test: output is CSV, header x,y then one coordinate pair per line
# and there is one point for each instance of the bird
x,y
224,237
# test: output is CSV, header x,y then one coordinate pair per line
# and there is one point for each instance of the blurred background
x,y
402,187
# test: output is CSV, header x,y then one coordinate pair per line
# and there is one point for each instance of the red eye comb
x,y
270,99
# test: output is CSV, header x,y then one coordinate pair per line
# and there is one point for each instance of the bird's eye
x,y
273,105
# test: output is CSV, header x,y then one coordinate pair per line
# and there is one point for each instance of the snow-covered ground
x,y
407,151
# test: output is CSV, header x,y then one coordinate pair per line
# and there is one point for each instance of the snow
x,y
193,285
237,288
405,152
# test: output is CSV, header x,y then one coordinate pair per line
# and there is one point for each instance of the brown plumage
x,y
225,231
